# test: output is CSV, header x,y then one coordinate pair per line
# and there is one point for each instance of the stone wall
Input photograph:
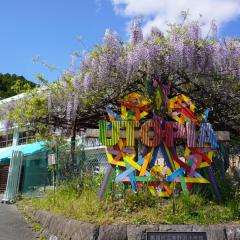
x,y
61,228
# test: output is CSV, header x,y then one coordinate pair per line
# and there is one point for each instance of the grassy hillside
x,y
11,84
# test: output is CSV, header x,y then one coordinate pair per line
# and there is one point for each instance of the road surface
x,y
13,226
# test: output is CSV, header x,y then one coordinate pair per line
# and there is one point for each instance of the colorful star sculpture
x,y
122,153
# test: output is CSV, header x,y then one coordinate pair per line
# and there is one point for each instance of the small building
x,y
27,170
24,162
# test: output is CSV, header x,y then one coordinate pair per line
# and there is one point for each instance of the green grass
x,y
139,208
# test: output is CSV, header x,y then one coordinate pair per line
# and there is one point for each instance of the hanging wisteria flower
x,y
49,99
156,32
7,124
87,81
77,83
69,109
136,32
111,39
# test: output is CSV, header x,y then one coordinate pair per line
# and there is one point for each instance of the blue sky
x,y
50,28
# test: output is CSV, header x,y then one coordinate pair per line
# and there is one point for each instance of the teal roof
x,y
26,149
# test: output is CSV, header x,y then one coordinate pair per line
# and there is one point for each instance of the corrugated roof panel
x,y
25,149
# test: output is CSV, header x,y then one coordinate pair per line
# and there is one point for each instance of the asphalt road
x,y
13,226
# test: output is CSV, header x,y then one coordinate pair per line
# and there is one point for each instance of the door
x,y
3,177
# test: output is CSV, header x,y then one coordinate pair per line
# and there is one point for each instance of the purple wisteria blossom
x,y
77,83
182,49
136,32
87,80
111,39
7,124
156,32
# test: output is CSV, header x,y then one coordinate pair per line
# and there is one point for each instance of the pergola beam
x,y
222,136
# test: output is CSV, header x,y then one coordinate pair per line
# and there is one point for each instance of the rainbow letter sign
x,y
161,125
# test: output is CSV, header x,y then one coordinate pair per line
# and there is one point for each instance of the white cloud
x,y
98,4
160,12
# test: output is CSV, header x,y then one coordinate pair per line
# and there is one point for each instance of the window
x,y
6,140
26,137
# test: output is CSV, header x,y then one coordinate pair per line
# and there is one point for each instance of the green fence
x,y
35,175
31,175
72,164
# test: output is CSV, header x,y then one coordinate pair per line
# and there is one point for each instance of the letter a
x,y
207,135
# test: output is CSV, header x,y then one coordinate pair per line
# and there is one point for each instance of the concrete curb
x,y
62,228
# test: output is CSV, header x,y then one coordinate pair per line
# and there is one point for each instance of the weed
x,y
82,203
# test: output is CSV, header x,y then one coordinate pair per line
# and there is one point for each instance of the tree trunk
x,y
73,146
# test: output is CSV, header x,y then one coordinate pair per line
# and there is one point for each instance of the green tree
x,y
11,84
